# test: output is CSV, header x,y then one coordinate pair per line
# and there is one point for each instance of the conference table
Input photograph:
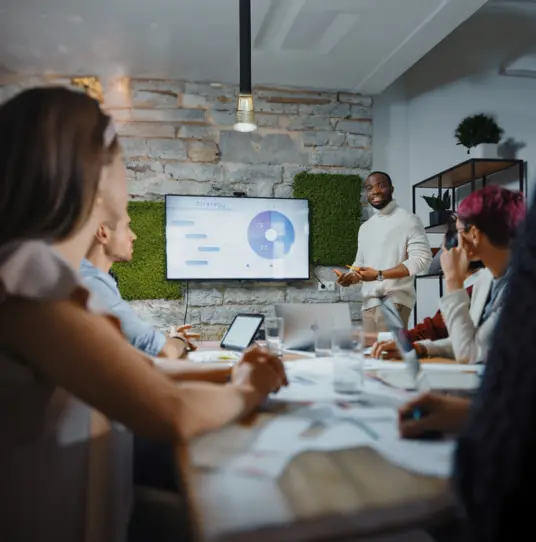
x,y
322,496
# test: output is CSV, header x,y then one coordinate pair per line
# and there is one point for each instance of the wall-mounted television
x,y
236,238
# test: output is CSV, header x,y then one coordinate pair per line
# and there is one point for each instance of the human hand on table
x,y
444,413
183,333
385,350
259,370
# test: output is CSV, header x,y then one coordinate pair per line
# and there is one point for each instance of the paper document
x,y
311,380
318,418
213,356
431,458
315,428
287,436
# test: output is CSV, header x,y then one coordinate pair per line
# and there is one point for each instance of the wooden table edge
x,y
372,522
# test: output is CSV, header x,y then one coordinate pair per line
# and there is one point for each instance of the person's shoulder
x,y
404,213
87,269
483,277
483,281
98,281
408,217
367,227
35,269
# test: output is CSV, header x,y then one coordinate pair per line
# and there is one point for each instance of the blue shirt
x,y
139,334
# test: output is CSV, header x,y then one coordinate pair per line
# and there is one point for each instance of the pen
x,y
352,268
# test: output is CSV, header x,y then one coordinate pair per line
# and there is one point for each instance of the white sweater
x,y
390,237
468,340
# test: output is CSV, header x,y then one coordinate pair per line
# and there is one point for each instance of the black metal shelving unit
x,y
475,170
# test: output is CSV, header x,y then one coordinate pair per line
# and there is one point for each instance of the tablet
x,y
242,331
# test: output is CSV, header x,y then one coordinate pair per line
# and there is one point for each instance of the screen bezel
x,y
239,279
240,348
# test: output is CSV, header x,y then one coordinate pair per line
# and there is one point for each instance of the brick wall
x,y
178,139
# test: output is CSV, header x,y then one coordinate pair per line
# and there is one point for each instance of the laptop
x,y
414,377
301,320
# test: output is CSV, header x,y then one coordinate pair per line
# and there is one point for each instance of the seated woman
x,y
65,368
433,328
487,223
494,468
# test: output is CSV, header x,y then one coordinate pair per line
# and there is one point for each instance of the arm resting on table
x,y
87,355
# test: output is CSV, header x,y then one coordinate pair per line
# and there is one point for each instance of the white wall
x,y
415,118
391,146
433,118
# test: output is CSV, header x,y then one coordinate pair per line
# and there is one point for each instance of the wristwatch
x,y
379,276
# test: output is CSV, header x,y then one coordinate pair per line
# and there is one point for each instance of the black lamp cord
x,y
186,301
322,285
244,15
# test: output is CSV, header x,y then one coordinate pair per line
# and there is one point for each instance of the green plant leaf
x,y
432,202
477,129
145,276
335,215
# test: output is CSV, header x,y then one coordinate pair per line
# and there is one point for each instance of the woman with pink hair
x,y
487,223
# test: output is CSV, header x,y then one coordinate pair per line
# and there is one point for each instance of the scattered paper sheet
x,y
311,380
259,464
419,456
321,419
286,436
212,356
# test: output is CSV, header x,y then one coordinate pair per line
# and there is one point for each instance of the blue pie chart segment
x,y
271,235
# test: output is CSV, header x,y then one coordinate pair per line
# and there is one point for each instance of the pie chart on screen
x,y
271,235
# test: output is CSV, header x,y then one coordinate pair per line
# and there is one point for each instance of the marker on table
x,y
416,415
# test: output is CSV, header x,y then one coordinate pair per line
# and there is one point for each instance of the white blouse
x,y
65,470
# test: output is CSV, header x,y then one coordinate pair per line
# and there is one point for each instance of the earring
x,y
99,201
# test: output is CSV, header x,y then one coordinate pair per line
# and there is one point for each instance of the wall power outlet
x,y
329,286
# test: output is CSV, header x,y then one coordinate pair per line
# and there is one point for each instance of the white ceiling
x,y
363,45
519,58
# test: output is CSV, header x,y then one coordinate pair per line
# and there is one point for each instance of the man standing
x,y
392,249
115,243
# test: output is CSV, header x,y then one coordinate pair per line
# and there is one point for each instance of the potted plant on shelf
x,y
480,135
440,208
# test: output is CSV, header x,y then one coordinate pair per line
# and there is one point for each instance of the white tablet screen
x,y
242,332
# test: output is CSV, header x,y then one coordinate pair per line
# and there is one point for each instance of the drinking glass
x,y
323,343
348,362
273,334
